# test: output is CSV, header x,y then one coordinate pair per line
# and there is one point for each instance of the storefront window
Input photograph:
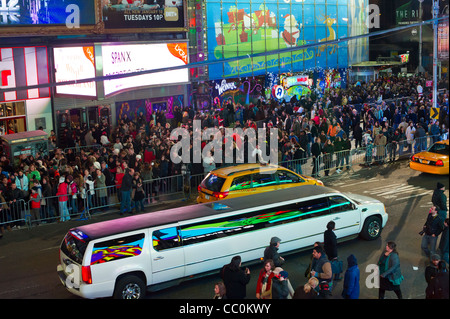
x,y
12,118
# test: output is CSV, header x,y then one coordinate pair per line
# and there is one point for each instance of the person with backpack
x,y
321,269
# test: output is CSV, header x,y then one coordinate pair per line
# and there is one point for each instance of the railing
x,y
83,204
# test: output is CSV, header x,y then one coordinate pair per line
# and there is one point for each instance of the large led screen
x,y
75,63
241,28
46,12
122,59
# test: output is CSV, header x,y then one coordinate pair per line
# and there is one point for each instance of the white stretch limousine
x,y
124,257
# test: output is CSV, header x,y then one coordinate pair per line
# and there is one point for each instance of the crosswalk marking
x,y
396,191
371,180
416,195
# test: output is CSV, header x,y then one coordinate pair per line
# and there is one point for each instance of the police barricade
x,y
13,213
302,166
194,183
58,208
86,148
406,148
162,188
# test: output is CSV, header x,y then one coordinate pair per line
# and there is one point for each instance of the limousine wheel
x,y
130,287
372,228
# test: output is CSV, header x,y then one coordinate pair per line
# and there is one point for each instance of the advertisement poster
x,y
75,63
122,59
41,12
118,14
238,29
443,40
20,67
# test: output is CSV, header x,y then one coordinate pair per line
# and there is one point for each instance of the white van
x,y
124,257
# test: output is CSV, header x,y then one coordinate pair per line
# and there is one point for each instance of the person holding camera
x,y
235,279
431,230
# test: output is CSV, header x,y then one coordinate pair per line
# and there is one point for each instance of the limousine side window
x,y
118,248
285,177
166,238
261,180
247,222
339,204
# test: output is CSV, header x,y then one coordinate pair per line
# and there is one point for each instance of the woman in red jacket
x,y
264,284
63,198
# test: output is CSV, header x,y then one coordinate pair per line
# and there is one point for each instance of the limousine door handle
x,y
337,218
158,258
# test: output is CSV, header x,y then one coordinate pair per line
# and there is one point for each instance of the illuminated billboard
x,y
244,27
75,63
128,58
126,14
44,12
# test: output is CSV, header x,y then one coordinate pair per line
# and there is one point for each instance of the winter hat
x,y
277,271
284,274
275,240
439,185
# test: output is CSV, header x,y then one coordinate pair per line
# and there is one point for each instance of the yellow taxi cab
x,y
246,179
434,160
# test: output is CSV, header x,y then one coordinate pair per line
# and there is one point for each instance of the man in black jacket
x,y
432,229
316,150
127,183
438,286
235,279
440,201
271,252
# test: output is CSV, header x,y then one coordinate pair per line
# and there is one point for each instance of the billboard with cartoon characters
x,y
241,28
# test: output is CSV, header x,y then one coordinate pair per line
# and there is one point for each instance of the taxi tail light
x,y
439,163
86,275
220,195
413,158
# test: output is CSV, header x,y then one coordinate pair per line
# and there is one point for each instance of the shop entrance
x,y
81,118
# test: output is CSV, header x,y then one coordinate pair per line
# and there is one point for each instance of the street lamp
x,y
435,49
420,68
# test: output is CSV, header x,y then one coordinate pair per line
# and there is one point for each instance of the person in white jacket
x,y
208,163
410,130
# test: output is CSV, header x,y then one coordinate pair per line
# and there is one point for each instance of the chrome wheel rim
x,y
131,291
373,229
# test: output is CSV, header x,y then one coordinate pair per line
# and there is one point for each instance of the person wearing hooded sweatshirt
x,y
235,279
351,279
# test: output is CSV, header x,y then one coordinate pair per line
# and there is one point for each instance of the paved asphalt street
x,y
28,258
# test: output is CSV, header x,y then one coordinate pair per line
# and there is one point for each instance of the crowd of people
x,y
79,167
